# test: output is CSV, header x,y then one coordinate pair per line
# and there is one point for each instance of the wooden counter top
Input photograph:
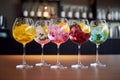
x,y
8,70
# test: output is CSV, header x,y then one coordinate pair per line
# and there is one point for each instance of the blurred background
x,y
70,9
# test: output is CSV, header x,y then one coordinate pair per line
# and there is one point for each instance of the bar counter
x,y
8,69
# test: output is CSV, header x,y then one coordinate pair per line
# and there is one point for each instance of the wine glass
x,y
23,32
99,34
58,33
79,34
42,38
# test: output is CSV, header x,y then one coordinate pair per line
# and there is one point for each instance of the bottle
x,y
39,12
26,9
77,13
2,22
62,13
84,13
34,9
108,14
46,13
70,13
4,32
25,13
112,14
103,14
90,14
98,14
32,13
52,12
116,14
119,14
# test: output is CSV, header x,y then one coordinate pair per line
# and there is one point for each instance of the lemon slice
x,y
45,29
25,25
85,28
102,25
106,32
22,27
82,25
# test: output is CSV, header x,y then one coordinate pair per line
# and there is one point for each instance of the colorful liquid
x,y
23,33
77,35
98,35
58,34
42,35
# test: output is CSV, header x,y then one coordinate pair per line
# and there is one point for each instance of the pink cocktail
x,y
58,33
42,38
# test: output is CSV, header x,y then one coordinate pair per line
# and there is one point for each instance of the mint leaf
x,y
99,36
57,22
19,23
75,23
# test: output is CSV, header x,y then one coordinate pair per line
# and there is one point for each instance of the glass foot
x,y
76,66
24,66
42,63
58,66
97,63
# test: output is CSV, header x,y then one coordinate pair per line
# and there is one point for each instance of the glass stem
x,y
58,55
24,53
97,55
42,52
79,62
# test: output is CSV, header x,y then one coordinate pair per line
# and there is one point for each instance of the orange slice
x,y
82,25
62,24
65,27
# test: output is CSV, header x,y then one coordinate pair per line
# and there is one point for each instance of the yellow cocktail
x,y
23,33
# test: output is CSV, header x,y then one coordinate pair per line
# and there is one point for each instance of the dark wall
x,y
108,3
10,9
10,46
